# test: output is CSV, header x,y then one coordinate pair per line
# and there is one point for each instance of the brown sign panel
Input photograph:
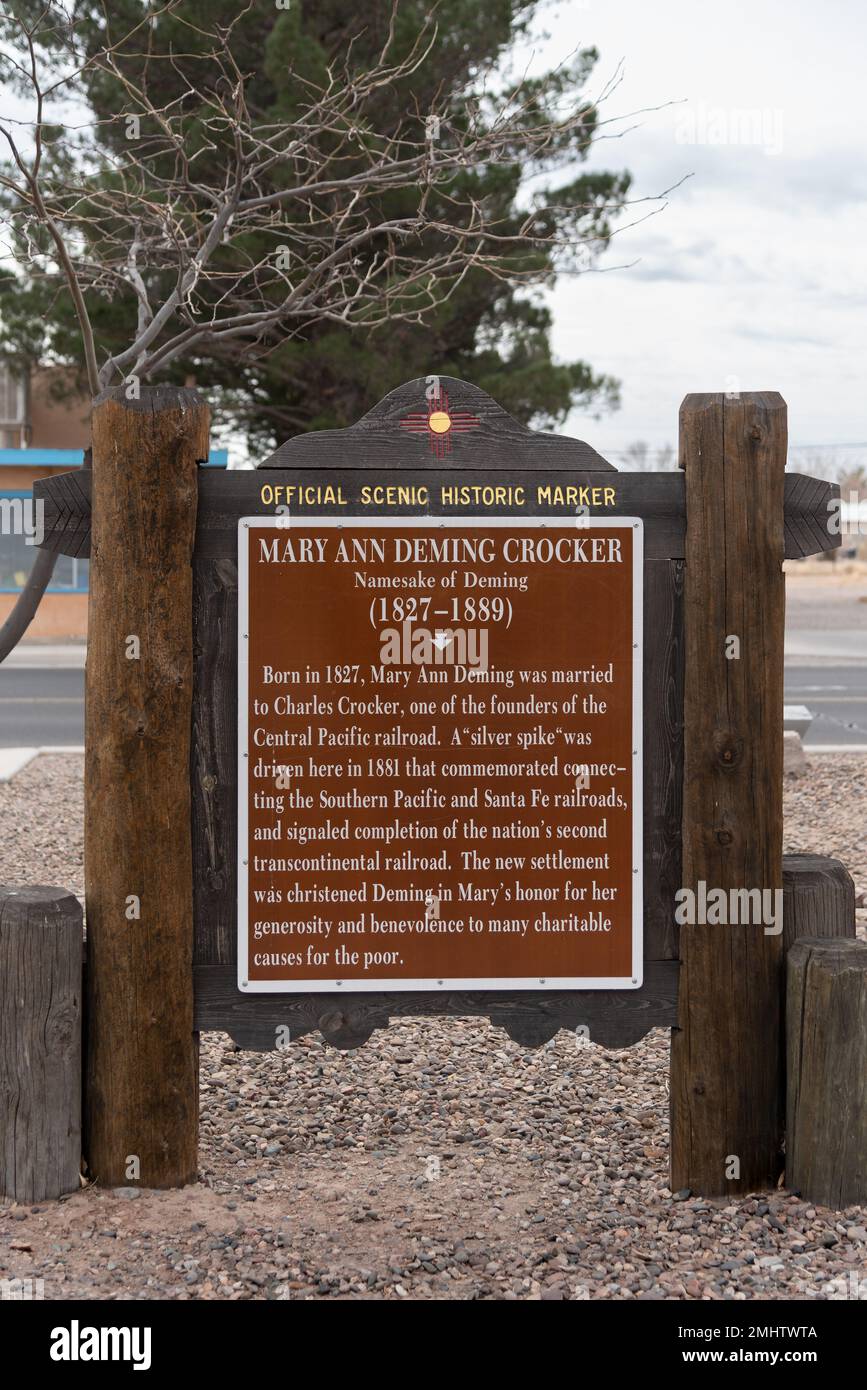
x,y
439,753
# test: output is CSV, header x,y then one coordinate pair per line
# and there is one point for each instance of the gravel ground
x,y
441,1161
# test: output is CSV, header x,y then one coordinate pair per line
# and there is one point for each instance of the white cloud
x,y
757,268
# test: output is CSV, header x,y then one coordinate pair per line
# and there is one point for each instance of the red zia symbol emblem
x,y
439,424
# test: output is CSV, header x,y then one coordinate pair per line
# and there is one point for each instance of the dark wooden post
x,y
818,898
40,1043
141,1098
726,1124
818,901
826,1131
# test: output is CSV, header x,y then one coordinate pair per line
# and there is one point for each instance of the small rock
x,y
794,758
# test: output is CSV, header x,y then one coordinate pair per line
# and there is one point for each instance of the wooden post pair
x,y
142,1064
728,1063
728,1049
141,1057
727,1052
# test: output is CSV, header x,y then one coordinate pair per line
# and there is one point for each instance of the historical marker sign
x,y
439,746
440,753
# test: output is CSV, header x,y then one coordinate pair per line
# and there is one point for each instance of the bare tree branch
x,y
224,224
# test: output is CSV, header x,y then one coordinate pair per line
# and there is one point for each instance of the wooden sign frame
x,y
496,450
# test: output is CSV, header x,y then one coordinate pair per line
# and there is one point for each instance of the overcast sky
x,y
756,272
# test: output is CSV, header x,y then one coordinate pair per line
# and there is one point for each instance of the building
x,y
41,436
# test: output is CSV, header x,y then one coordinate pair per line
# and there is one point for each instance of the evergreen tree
x,y
491,329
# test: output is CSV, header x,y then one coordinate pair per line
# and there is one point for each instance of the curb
x,y
12,760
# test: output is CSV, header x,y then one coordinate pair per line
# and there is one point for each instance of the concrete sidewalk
x,y
841,647
42,656
12,760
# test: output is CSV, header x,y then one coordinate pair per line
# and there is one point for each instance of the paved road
x,y
41,706
836,696
44,705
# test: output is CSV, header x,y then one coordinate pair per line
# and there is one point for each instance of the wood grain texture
x,y
663,753
214,762
615,1018
725,1084
224,497
379,441
66,507
818,902
40,1043
818,898
142,1074
810,516
826,1048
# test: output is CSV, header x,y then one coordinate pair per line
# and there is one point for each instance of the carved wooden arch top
x,y
437,421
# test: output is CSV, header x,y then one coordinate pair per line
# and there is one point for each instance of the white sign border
x,y
635,979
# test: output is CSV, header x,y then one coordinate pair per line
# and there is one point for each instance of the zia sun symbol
x,y
439,424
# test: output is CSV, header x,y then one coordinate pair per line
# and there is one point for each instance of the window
x,y
17,555
12,407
